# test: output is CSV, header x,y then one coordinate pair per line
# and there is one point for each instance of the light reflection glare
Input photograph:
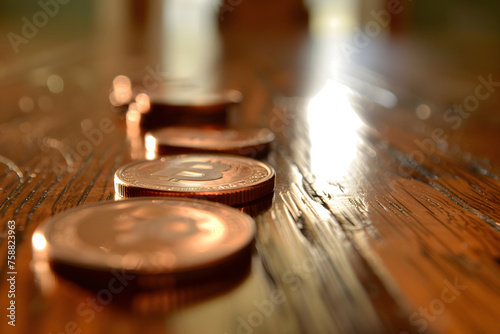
x,y
134,133
55,84
122,91
190,40
39,242
423,111
150,147
333,127
214,230
143,103
150,155
26,104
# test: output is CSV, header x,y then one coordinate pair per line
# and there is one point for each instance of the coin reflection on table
x,y
226,179
256,207
252,208
186,245
250,142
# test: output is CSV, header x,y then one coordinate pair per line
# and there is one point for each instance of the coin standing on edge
x,y
184,239
250,142
226,179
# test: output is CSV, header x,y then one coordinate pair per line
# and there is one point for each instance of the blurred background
x,y
183,35
434,50
454,30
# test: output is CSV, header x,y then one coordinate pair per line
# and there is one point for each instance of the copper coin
x,y
195,102
188,107
226,179
250,142
147,236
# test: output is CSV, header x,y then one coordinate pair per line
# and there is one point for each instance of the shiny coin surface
x,y
147,236
226,179
250,142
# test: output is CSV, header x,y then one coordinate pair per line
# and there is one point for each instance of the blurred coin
x,y
250,142
226,179
188,108
256,207
164,242
198,102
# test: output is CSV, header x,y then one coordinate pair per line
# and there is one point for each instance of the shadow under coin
x,y
150,294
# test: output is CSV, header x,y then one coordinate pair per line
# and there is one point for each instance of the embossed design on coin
x,y
193,171
148,235
197,176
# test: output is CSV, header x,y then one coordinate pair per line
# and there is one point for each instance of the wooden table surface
x,y
385,216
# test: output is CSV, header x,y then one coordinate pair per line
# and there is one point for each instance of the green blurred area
x,y
75,16
446,15
466,16
77,9
31,27
457,27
